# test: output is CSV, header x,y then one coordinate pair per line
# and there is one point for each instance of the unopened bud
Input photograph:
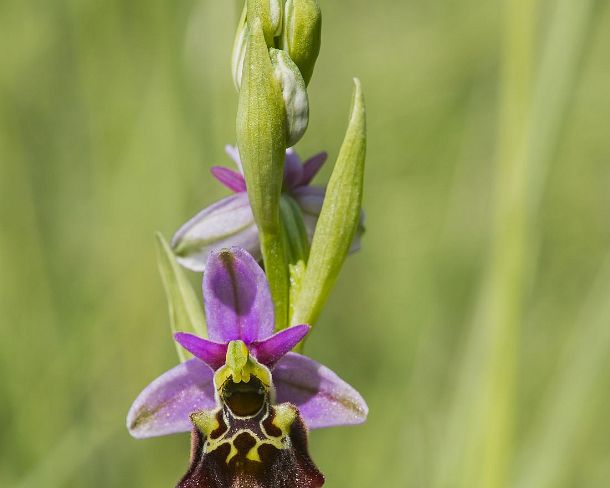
x,y
294,93
301,34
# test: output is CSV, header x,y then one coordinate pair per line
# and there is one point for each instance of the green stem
x,y
277,274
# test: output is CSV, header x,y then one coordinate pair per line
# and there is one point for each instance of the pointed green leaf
x,y
185,311
339,219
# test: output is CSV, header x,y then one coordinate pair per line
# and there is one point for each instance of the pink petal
x,y
293,169
226,223
165,405
211,353
233,180
323,399
237,300
312,166
272,349
233,153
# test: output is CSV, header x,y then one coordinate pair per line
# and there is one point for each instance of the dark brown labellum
x,y
235,448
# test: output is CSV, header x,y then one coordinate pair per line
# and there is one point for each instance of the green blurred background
x,y
476,318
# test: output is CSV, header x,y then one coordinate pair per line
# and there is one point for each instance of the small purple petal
x,y
233,180
233,153
237,299
165,405
323,399
228,222
211,353
309,198
311,167
272,349
293,169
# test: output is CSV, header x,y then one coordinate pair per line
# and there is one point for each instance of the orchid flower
x,y
247,399
230,222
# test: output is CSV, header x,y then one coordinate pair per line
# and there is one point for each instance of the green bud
x,y
301,35
261,139
294,92
239,49
270,14
185,311
339,218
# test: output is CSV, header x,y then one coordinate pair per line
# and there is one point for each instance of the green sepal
x,y
269,12
339,218
239,48
261,139
185,311
295,232
301,35
294,93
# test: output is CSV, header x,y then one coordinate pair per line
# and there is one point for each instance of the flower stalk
x,y
261,139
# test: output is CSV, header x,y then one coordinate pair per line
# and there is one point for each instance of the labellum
x,y
247,441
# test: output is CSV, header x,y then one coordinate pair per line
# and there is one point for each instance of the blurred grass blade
x,y
559,71
339,218
479,450
546,457
185,310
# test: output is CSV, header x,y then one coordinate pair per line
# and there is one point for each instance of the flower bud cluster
x,y
292,34
276,46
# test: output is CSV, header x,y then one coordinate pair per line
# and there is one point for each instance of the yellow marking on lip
x,y
232,452
285,416
253,454
206,421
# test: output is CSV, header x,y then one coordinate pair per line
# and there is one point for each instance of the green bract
x,y
294,92
301,34
261,139
339,219
184,308
269,12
